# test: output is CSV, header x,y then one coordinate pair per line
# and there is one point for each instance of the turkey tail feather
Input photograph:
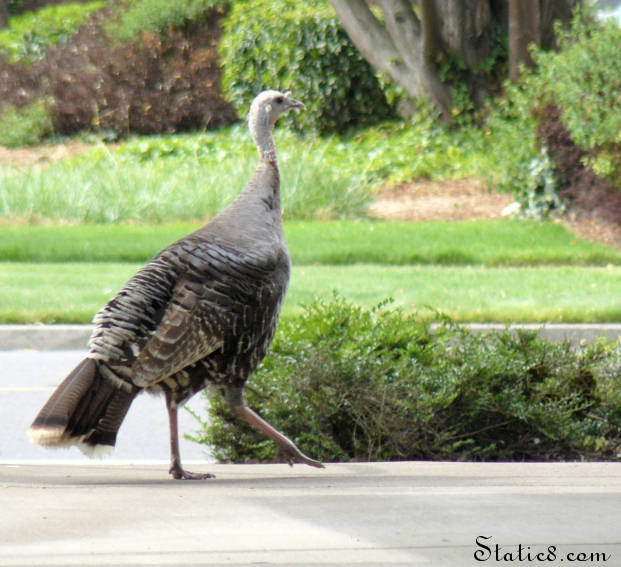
x,y
85,410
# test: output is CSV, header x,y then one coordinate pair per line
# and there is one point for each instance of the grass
x,y
191,176
475,293
468,270
73,292
58,293
181,178
489,243
58,266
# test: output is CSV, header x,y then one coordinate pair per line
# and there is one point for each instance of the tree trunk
x,y
377,46
403,47
532,22
419,43
4,14
555,11
524,30
431,49
415,39
465,26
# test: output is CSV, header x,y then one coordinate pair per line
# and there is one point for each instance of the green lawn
x,y
473,293
473,271
73,292
58,265
489,243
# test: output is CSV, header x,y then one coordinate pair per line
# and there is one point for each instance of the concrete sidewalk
x,y
409,514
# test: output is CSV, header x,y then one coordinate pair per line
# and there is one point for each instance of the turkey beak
x,y
296,104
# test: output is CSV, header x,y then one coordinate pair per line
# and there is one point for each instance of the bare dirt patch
x,y
594,228
470,199
40,155
465,199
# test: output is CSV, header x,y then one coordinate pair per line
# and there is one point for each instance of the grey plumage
x,y
204,310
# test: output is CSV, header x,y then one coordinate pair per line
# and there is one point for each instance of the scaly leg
x,y
238,406
176,470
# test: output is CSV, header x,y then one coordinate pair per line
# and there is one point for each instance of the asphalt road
x,y
28,378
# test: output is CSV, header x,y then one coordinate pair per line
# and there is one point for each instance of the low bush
x,y
347,383
161,83
24,126
584,80
29,34
299,46
155,16
557,130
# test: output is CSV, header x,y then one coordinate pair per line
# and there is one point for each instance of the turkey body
x,y
202,311
205,309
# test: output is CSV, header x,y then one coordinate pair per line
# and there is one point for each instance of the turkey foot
x,y
176,470
179,473
291,453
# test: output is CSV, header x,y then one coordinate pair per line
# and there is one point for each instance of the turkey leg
x,y
176,470
238,406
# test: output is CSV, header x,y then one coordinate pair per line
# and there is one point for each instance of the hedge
x,y
348,383
299,46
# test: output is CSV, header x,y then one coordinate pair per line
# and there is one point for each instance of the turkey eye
x,y
279,99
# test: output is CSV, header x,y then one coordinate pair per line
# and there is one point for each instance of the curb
x,y
44,337
558,332
75,337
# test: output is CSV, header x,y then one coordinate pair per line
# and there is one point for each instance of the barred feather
x,y
203,310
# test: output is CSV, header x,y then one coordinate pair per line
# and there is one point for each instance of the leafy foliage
x,y
301,47
348,383
584,80
560,119
28,35
155,16
159,84
24,126
538,194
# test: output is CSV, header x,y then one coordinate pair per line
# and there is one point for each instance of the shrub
x,y
299,46
162,83
24,126
584,80
347,383
155,16
559,125
31,33
19,84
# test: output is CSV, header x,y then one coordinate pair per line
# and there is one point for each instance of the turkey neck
x,y
261,128
261,196
256,213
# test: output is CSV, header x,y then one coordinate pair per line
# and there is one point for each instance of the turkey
x,y
203,311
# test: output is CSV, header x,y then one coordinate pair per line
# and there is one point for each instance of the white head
x,y
265,110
